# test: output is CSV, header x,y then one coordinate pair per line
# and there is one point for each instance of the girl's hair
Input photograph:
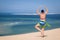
x,y
42,11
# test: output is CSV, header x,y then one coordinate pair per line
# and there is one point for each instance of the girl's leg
x,y
38,27
42,32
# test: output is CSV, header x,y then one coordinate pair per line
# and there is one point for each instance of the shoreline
x,y
53,34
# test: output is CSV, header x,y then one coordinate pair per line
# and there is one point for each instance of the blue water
x,y
19,24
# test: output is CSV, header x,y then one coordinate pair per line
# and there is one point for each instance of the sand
x,y
53,34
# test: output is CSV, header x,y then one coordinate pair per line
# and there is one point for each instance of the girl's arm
x,y
37,11
46,10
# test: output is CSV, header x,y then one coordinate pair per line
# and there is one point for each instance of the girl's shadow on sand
x,y
42,36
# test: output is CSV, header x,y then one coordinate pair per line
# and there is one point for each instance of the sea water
x,y
19,24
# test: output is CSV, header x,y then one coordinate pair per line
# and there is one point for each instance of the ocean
x,y
20,24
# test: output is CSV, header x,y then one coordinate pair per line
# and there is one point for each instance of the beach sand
x,y
53,34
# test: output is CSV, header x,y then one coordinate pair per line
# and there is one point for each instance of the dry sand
x,y
53,34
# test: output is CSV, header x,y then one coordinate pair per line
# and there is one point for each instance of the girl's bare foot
x,y
43,35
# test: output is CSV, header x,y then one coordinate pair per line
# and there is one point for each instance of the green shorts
x,y
43,24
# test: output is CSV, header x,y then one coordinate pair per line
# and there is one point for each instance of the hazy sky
x,y
14,6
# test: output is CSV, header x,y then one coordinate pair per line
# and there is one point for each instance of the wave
x,y
16,23
26,23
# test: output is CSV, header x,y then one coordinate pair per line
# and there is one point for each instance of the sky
x,y
22,7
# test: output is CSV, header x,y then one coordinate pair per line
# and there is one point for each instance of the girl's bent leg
x,y
38,27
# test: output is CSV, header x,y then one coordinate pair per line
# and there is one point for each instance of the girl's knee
x,y
37,26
